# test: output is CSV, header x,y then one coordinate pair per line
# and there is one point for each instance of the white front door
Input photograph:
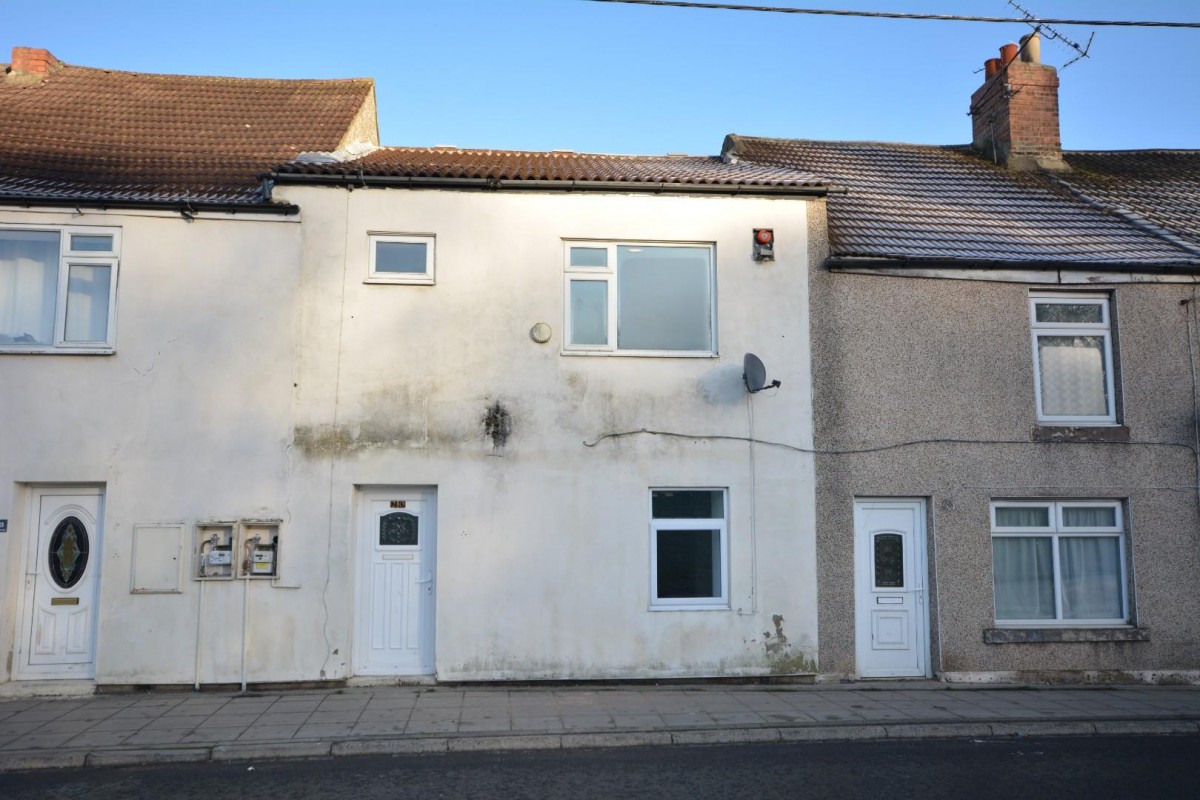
x,y
891,609
397,545
62,576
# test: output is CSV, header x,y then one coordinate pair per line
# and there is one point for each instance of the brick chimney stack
x,y
1014,115
31,64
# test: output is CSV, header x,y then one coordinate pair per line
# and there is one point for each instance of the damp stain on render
x,y
497,424
783,657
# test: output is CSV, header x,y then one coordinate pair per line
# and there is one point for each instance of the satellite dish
x,y
754,373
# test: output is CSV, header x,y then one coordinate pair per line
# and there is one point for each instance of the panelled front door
x,y
397,543
891,608
62,570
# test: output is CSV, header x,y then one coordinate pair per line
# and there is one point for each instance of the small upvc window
x,y
640,299
1059,563
1072,358
688,549
58,289
397,258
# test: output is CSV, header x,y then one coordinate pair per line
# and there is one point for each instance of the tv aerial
x,y
754,374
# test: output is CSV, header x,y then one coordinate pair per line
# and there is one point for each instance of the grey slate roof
x,y
555,169
948,204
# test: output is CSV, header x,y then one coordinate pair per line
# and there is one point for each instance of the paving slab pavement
x,y
169,727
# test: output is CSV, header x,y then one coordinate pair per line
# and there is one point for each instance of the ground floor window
x,y
1059,563
688,547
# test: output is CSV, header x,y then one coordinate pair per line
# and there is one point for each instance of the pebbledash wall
x,y
257,376
913,362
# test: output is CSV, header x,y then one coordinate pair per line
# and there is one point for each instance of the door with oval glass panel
x,y
891,605
62,571
397,545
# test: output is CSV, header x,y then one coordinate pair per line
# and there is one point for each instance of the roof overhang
x,y
894,265
356,180
184,207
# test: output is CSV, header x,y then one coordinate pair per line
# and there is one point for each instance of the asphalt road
x,y
1094,767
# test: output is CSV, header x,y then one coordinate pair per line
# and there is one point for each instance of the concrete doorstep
x,y
266,750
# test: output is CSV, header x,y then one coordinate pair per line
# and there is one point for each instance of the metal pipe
x,y
199,633
245,622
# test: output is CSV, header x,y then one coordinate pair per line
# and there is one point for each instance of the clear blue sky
x,y
570,74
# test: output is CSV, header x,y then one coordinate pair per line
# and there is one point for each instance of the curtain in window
x,y
1018,517
87,303
1024,577
1086,517
1073,380
1091,577
28,286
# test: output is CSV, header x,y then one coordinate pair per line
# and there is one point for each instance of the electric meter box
x,y
258,549
213,551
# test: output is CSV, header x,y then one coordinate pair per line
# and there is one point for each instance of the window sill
x,y
637,354
689,607
1057,635
1080,433
57,351
416,281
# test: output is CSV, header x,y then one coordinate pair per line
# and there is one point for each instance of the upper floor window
x,y
58,289
400,259
1072,358
641,299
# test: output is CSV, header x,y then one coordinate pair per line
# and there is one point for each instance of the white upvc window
x,y
401,258
58,289
639,298
1059,563
1072,359
689,533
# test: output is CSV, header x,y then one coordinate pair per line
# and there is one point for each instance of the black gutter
x,y
184,207
835,262
648,187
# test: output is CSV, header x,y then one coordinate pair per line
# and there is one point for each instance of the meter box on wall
x,y
258,549
214,551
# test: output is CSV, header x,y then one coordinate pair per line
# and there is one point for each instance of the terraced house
x,y
281,405
1004,387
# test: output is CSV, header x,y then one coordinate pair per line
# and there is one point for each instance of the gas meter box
x,y
258,549
214,551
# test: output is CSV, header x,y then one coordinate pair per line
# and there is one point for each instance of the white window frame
x,y
608,275
426,278
1055,532
68,258
1102,329
676,524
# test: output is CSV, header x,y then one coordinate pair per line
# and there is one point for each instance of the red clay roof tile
x,y
556,166
94,134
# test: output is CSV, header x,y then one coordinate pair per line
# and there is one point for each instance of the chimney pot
x,y
1031,48
1015,121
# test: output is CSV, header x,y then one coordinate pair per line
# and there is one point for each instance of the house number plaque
x,y
399,504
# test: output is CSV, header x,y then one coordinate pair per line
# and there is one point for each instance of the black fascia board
x,y
354,180
907,262
189,206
